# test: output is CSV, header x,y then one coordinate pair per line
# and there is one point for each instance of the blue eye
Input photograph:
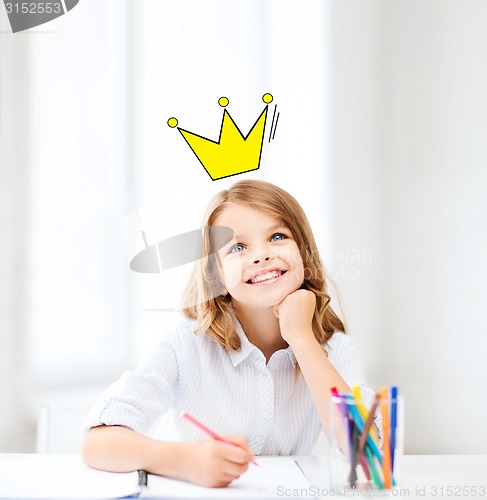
x,y
278,237
237,248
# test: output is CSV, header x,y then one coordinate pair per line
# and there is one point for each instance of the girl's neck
x,y
261,327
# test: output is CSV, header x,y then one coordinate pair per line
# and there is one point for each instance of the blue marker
x,y
393,423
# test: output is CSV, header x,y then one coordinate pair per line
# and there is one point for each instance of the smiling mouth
x,y
262,278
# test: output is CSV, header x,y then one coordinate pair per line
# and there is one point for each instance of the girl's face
x,y
262,264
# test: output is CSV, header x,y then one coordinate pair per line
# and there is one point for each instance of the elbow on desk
x,y
90,448
115,448
110,448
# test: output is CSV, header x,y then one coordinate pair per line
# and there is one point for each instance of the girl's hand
x,y
295,313
216,464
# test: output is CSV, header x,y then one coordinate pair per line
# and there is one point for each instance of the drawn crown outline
x,y
233,153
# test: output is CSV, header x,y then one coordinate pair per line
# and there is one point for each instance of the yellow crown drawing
x,y
233,153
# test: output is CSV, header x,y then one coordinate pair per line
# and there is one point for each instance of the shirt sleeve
x,y
140,397
344,355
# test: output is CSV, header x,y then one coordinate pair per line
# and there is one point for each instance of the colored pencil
x,y
210,433
368,423
393,424
362,409
365,466
386,462
376,479
348,424
353,471
360,424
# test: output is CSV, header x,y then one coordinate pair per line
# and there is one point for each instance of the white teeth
x,y
268,276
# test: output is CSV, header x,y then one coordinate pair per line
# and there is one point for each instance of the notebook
x,y
67,477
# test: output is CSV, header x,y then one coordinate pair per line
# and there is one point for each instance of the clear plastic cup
x,y
364,461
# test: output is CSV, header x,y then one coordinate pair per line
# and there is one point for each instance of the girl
x,y
254,360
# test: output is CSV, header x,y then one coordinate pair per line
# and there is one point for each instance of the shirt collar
x,y
246,347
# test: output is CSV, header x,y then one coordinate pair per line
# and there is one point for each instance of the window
x,y
79,119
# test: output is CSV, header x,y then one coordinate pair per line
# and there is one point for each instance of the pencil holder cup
x,y
365,450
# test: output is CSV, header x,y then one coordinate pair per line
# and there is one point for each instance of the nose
x,y
265,259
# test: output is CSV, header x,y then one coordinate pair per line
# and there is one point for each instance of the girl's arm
x,y
295,315
207,462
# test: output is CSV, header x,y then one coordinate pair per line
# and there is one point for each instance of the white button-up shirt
x,y
230,392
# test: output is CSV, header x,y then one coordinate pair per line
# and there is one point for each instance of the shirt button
x,y
259,438
265,415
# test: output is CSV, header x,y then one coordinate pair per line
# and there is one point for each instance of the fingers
x,y
215,463
239,452
233,460
240,440
233,470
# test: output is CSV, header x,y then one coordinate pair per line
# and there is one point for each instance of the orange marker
x,y
386,447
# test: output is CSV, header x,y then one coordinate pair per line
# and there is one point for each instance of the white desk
x,y
423,476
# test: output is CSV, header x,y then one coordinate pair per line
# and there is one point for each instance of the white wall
x,y
13,242
398,92
409,164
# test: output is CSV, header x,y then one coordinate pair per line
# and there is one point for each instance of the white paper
x,y
274,475
60,476
66,477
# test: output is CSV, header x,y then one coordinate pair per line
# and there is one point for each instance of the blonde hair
x,y
203,299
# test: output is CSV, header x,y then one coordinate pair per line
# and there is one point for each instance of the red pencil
x,y
210,433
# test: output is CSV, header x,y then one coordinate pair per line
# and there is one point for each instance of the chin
x,y
266,301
